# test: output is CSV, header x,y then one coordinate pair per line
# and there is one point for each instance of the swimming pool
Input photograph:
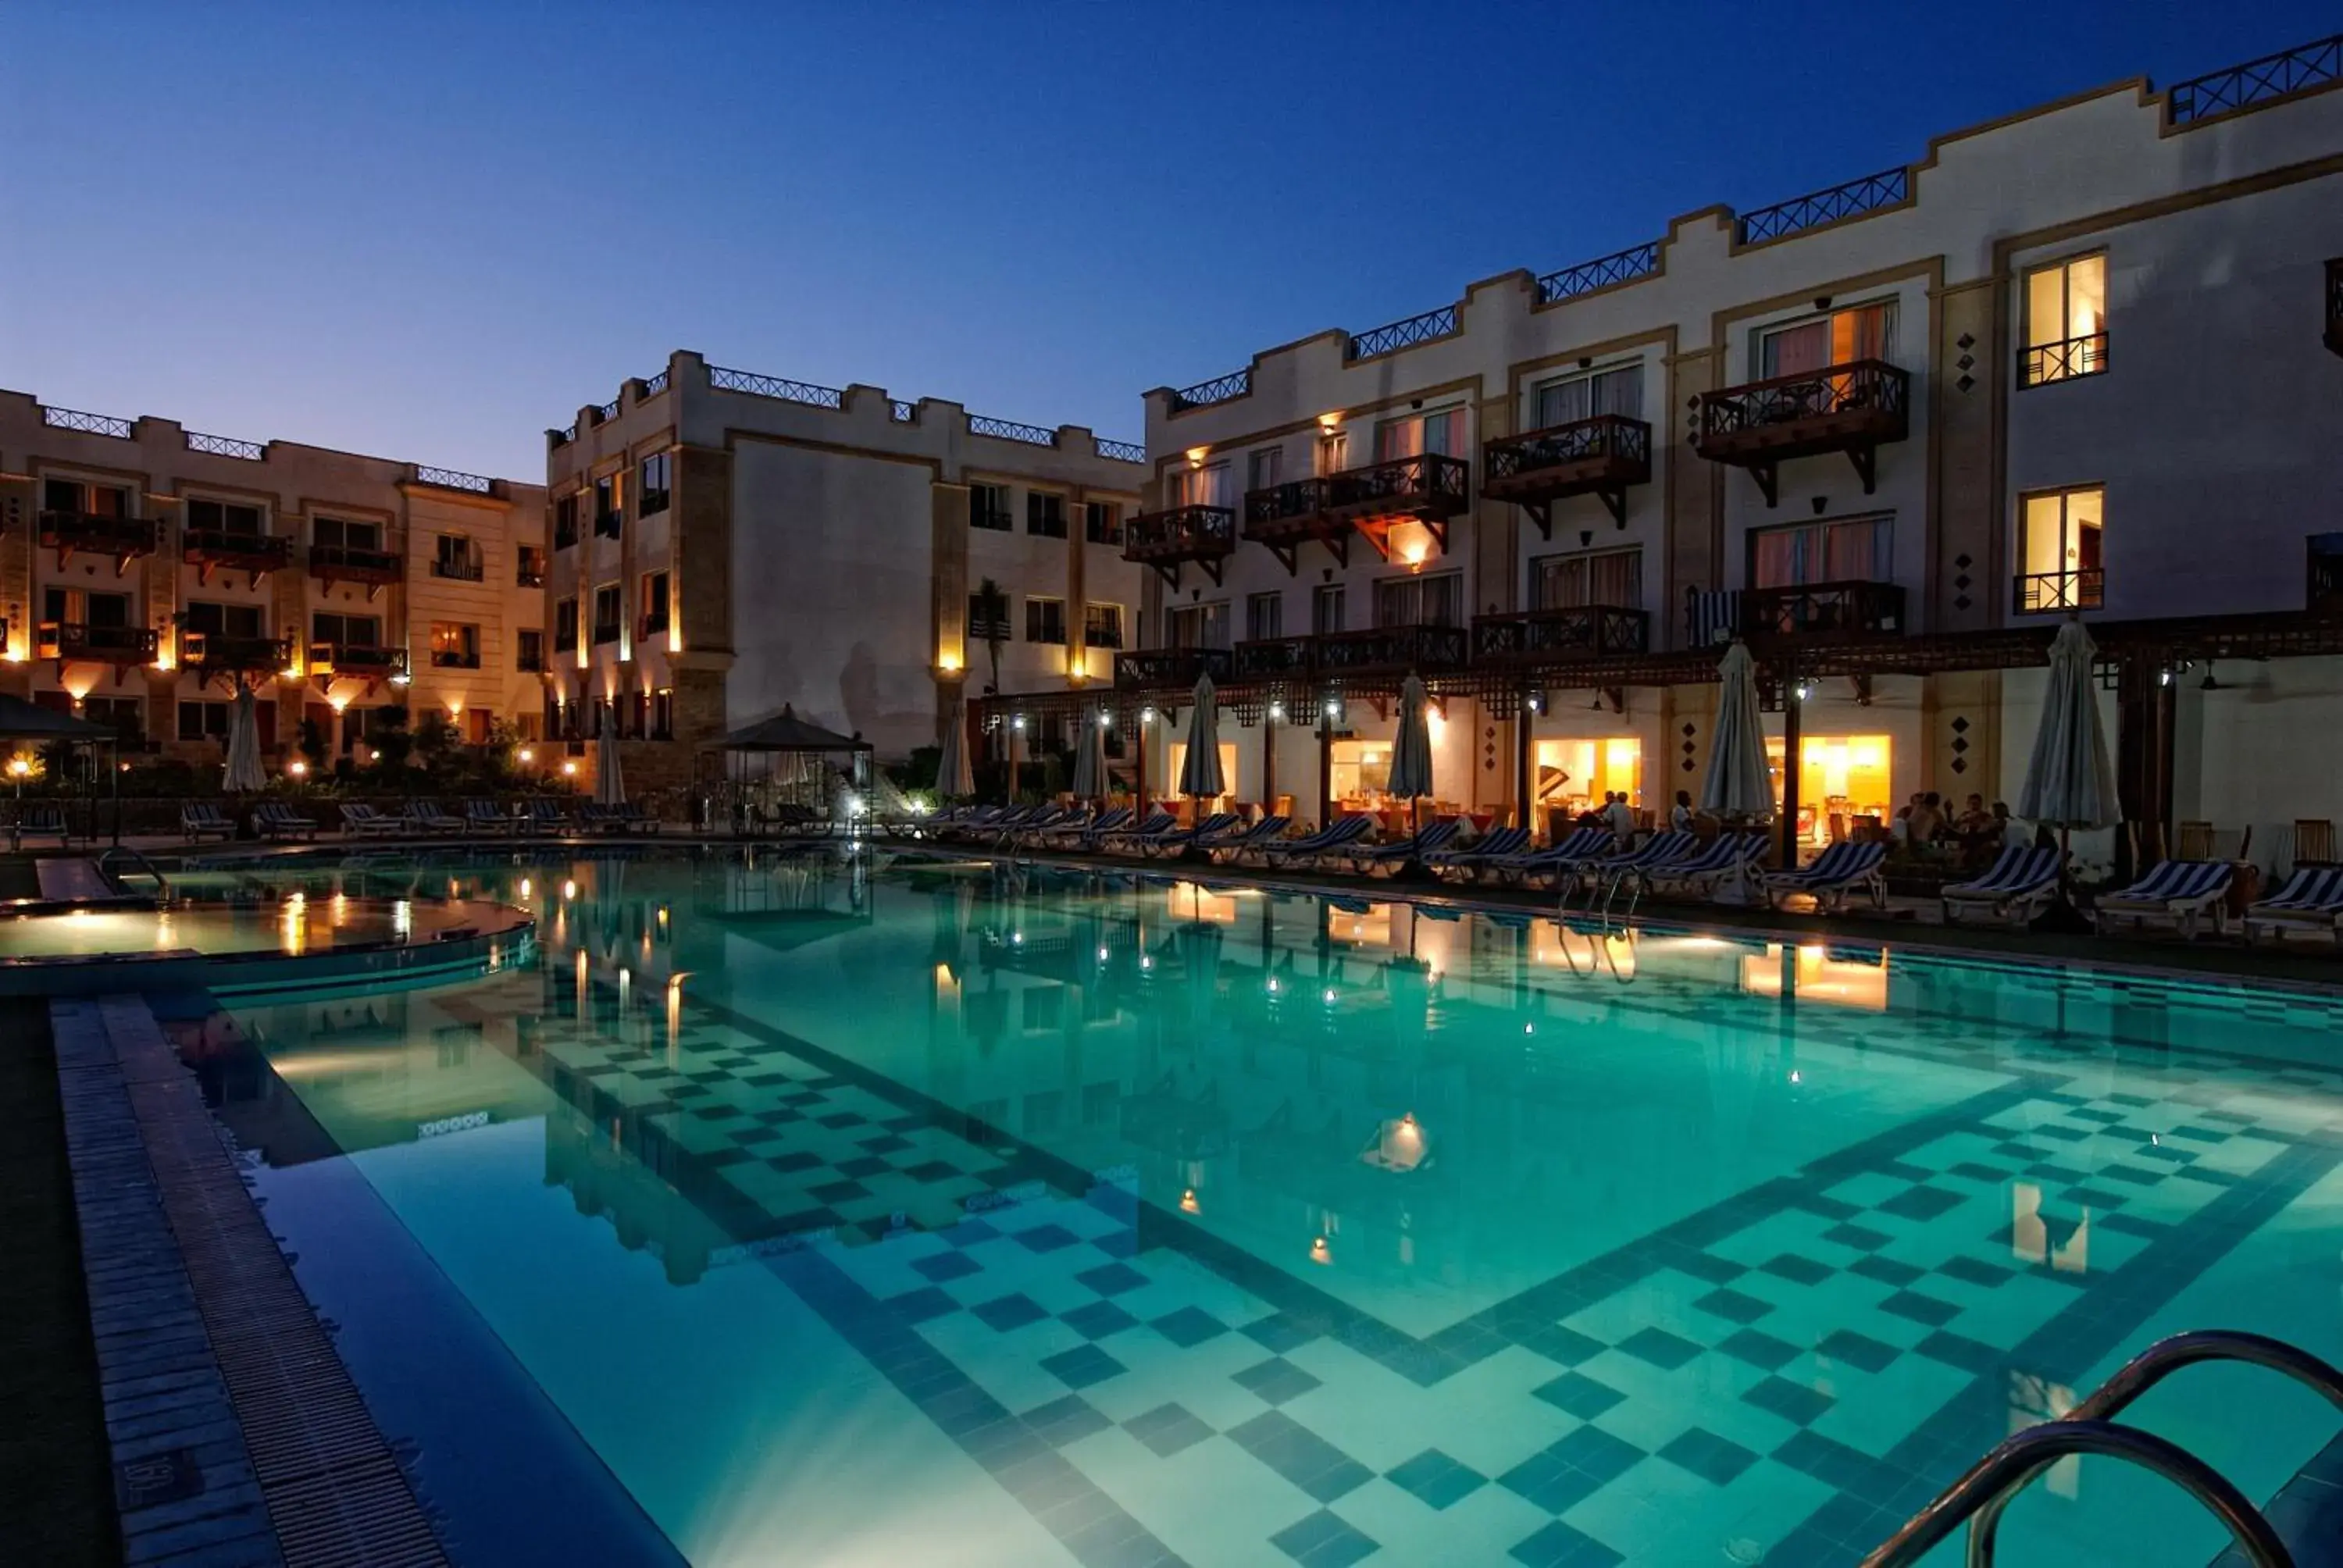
x,y
871,1211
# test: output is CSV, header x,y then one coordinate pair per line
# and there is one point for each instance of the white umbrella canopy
x,y
1411,766
244,773
2068,780
1737,784
1199,771
1090,757
609,789
955,776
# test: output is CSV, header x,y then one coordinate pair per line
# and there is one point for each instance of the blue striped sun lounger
x,y
1327,842
2179,891
1232,847
1563,858
1726,855
1835,875
2312,900
1497,844
1381,860
2019,881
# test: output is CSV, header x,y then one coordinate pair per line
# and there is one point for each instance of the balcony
x,y
457,568
1383,650
2335,305
1172,668
609,525
1427,489
209,550
1164,540
1598,457
1823,612
357,661
214,653
123,539
74,641
2069,361
374,570
1582,631
454,658
1852,408
2043,593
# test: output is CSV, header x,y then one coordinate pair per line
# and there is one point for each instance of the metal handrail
x,y
2167,1356
162,886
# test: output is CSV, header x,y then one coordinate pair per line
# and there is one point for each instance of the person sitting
x,y
1975,820
1925,822
1680,818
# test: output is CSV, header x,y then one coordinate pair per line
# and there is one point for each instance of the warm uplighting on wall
x,y
948,662
80,682
455,708
526,756
569,768
337,701
1196,455
297,768
167,650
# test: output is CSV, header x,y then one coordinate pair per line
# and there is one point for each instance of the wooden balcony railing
x,y
1598,457
1852,408
1167,540
65,640
1375,650
1169,667
209,550
346,563
120,538
1428,489
1823,611
2039,593
2335,305
364,662
1585,631
214,653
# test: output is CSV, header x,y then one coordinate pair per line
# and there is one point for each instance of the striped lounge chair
x,y
276,820
1561,859
202,819
2179,891
2312,900
40,822
1726,855
360,820
1177,842
1463,865
1386,859
1229,847
424,816
1835,876
1331,840
2017,886
1080,832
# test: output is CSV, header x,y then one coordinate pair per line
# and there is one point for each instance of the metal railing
x,y
1122,451
1889,187
1009,430
565,533
1098,631
1382,647
226,544
1293,501
89,424
1821,609
1428,477
1428,328
454,479
1220,389
651,502
654,624
1603,272
226,446
2036,593
1170,666
454,658
1580,629
2262,81
902,412
757,386
654,385
563,436
998,520
216,650
348,561
466,570
606,631
988,629
355,659
1181,531
79,639
1863,385
606,412
93,531
1604,436
2046,362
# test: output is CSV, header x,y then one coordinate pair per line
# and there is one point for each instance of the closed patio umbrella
x,y
2068,779
609,789
955,778
1737,785
244,773
1199,771
1090,757
1411,766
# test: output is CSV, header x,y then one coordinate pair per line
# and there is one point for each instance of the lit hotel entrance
x,y
1841,778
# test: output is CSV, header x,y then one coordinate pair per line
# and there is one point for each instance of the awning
x,y
785,731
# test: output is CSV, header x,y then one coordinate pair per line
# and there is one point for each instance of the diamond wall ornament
x,y
1965,383
1966,341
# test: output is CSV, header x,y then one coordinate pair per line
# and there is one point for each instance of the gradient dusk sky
x,y
429,231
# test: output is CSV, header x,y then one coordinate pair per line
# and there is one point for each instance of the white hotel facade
x,y
2085,359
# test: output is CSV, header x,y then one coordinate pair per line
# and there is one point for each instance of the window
x,y
89,500
223,517
987,616
455,645
1045,514
987,507
1103,626
1610,579
1207,487
1263,467
1045,619
224,620
455,556
345,534
1334,452
1200,625
609,612
2066,321
651,485
1565,401
654,602
1859,551
203,722
565,625
1840,337
532,571
95,609
609,505
1327,603
346,630
1102,522
532,651
1264,616
2059,563
565,522
1435,600
125,716
1441,433
663,713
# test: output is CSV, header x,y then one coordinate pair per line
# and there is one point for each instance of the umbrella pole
x,y
2062,916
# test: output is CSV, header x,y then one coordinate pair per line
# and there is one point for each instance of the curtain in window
x,y
1780,561
1564,402
1560,583
1445,432
1443,601
1396,438
1797,351
1615,579
1859,334
1855,552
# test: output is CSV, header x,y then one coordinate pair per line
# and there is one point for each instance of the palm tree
x,y
992,624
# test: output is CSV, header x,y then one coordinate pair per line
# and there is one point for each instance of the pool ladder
x,y
1979,1497
124,852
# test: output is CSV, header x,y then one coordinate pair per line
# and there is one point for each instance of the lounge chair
x,y
362,821
2179,891
1563,858
2017,886
634,817
1383,860
483,817
1234,846
1332,840
276,820
2312,900
40,822
1104,837
424,816
1497,844
1728,854
541,814
1836,874
1081,833
1174,843
202,819
1159,825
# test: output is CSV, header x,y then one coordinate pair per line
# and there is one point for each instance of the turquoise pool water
x,y
879,1211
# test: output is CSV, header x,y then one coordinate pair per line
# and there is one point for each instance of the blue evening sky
x,y
429,231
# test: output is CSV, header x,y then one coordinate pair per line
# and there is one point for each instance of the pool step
x,y
73,878
2307,1512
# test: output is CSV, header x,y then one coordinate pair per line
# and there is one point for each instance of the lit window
x,y
1823,342
1612,580
2059,563
1618,390
2066,321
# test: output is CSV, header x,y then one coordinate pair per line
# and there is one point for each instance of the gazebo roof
x,y
23,721
785,731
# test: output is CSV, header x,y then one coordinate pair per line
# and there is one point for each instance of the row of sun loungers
x,y
277,821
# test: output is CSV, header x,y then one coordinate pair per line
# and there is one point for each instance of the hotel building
x,y
147,570
726,544
2086,359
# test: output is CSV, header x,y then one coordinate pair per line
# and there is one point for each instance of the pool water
x,y
864,1211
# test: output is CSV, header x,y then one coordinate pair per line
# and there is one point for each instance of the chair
x,y
482,816
2017,884
1266,831
362,821
1159,825
1330,841
2314,840
1728,854
1211,827
1560,858
541,814
1078,834
1836,874
2193,841
41,822
634,817
202,819
2176,890
424,816
1381,860
1497,844
277,821
2312,900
